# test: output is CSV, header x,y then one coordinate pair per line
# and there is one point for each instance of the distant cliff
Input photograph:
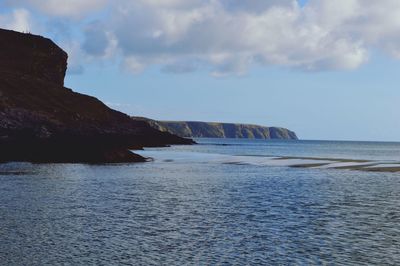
x,y
220,130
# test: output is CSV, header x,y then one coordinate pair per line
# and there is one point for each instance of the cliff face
x,y
42,121
32,56
220,130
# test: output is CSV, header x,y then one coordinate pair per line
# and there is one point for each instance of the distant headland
x,y
220,130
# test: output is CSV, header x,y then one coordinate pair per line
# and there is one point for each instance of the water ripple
x,y
184,213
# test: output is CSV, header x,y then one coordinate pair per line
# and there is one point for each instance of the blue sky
x,y
325,69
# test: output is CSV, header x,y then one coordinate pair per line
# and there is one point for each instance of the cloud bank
x,y
225,36
61,8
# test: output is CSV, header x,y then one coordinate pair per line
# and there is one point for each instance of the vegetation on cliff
x,y
219,130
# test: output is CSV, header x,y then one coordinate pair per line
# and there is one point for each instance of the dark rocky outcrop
x,y
32,56
220,130
42,121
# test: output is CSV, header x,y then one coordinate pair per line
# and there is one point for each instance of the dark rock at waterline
x,y
42,121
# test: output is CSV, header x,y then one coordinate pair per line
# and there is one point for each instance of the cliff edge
x,y
42,121
220,130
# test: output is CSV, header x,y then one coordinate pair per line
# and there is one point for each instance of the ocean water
x,y
224,202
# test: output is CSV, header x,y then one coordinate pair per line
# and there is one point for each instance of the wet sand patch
x,y
382,169
315,165
324,159
343,164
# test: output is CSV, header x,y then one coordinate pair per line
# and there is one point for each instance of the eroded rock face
x,y
42,121
220,130
33,56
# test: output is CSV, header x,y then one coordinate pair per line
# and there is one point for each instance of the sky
x,y
325,69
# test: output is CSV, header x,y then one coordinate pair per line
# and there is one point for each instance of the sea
x,y
221,202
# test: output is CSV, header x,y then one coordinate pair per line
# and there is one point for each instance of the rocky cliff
x,y
31,56
219,130
42,121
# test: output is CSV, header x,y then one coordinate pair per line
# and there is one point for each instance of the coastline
x,y
269,158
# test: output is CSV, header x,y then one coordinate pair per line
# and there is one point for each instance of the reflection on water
x,y
192,212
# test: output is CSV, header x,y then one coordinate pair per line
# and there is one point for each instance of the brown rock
x,y
42,121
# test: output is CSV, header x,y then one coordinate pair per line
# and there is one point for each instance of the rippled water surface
x,y
189,206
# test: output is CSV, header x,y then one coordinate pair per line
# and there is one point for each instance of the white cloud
x,y
230,36
63,8
75,57
18,20
133,64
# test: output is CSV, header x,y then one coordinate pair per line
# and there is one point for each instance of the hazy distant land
x,y
191,129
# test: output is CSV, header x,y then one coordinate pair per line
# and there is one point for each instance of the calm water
x,y
192,205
